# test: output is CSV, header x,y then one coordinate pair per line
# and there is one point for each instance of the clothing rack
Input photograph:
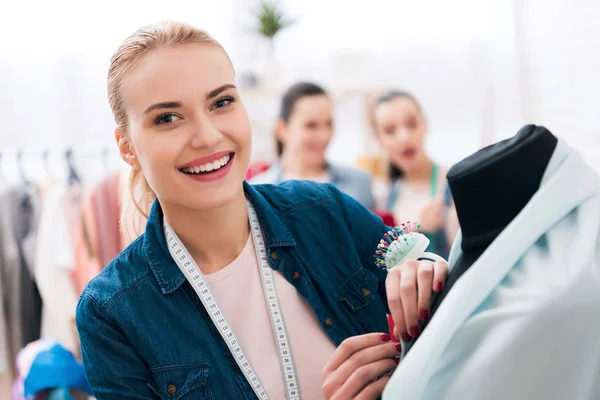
x,y
62,228
55,157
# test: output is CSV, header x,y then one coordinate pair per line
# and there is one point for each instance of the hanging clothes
x,y
106,203
54,263
97,239
21,299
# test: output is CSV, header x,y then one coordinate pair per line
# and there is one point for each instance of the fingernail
x,y
385,337
397,362
399,347
423,314
414,331
439,286
405,337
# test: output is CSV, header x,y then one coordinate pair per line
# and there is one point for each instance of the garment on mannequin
x,y
491,187
519,323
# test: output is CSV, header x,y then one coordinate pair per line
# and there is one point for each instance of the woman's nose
x,y
402,134
205,134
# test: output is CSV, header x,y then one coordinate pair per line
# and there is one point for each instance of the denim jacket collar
x,y
166,271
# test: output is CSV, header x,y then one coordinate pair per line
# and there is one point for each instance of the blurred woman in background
x,y
303,132
417,186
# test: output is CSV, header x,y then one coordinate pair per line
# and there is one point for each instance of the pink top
x,y
239,292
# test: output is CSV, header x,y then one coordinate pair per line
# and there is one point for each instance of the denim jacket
x,y
145,334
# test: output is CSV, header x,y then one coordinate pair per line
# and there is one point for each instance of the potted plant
x,y
270,21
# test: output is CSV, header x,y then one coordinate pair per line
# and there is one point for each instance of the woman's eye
x,y
223,102
311,126
167,118
411,123
389,130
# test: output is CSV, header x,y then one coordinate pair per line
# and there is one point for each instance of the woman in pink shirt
x,y
234,290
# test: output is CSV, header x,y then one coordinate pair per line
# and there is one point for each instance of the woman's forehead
x,y
177,73
400,106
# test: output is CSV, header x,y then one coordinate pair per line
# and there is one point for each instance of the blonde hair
x,y
136,206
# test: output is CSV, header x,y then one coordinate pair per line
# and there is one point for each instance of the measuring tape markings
x,y
192,273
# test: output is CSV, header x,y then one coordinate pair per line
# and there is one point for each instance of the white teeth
x,y
208,166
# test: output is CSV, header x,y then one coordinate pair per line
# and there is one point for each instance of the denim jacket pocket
x,y
182,382
359,290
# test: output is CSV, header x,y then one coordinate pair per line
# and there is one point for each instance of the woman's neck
x,y
420,174
293,165
215,237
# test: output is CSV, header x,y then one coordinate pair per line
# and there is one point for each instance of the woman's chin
x,y
214,199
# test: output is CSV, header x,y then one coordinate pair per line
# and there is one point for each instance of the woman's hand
x,y
409,288
431,217
360,367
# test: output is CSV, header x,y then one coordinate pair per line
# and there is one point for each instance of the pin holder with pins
x,y
402,243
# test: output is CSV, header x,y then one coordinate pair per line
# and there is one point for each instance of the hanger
x,y
20,168
73,176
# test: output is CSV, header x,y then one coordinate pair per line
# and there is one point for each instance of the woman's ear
x,y
126,150
281,130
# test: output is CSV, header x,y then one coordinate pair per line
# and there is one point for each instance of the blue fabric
x,y
55,368
59,394
143,329
355,183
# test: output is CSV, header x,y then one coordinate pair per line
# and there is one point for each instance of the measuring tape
x,y
190,269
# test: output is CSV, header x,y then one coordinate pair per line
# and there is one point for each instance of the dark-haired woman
x,y
417,185
304,130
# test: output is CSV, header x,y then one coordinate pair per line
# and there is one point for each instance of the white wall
x,y
479,74
458,58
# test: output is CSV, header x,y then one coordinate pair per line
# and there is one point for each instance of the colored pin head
x,y
396,244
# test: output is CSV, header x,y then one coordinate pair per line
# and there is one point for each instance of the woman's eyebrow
x,y
167,104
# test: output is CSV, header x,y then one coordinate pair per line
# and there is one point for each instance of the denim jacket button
x,y
295,276
328,323
274,255
171,389
365,291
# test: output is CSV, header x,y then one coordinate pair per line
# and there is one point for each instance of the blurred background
x,y
480,69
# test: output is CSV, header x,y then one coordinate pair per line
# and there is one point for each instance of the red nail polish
x,y
414,331
439,286
423,314
397,362
405,337
399,347
385,337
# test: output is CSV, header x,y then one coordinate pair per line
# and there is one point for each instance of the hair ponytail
x,y
137,201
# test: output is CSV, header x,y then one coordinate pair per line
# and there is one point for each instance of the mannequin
x,y
516,320
494,179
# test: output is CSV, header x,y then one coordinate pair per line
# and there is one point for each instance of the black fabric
x,y
491,187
